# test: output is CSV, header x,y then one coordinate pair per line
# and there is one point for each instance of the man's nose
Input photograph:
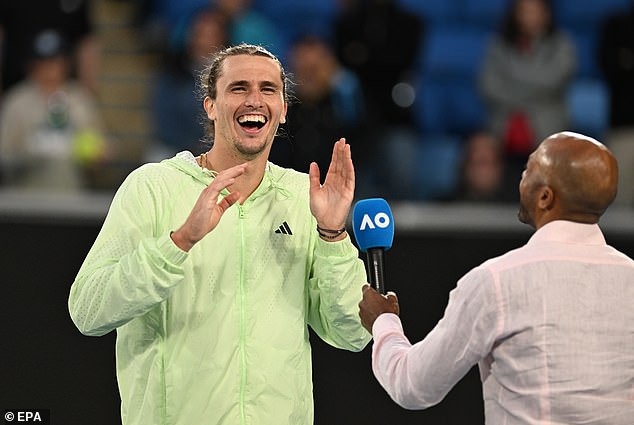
x,y
254,99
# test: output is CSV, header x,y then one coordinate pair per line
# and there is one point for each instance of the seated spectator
x,y
176,114
50,128
329,105
483,175
525,77
616,47
20,21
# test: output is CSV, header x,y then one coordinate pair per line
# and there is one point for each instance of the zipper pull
x,y
241,212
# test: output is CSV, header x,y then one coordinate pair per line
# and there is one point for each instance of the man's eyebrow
x,y
266,83
269,84
238,83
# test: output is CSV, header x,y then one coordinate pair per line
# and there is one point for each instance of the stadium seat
x,y
484,13
433,12
588,103
447,100
449,107
583,13
587,55
439,162
296,18
453,51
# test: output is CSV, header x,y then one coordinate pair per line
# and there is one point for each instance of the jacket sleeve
x,y
129,268
337,276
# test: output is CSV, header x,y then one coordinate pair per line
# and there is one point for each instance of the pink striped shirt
x,y
550,324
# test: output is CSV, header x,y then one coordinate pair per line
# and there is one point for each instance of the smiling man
x,y
211,267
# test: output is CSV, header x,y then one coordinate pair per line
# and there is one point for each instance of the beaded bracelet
x,y
329,233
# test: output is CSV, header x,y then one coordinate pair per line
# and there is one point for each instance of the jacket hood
x,y
273,176
186,162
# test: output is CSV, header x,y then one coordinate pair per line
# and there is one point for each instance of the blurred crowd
x,y
440,100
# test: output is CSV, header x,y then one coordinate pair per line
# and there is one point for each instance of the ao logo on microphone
x,y
381,220
374,231
373,224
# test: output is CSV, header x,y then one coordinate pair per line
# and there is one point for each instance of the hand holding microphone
x,y
373,227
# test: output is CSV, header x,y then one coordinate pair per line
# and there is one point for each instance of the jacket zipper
x,y
243,357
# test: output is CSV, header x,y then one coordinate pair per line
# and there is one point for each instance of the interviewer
x,y
550,325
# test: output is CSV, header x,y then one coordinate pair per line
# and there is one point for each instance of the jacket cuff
x,y
340,248
172,253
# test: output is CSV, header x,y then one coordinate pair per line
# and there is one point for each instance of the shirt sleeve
x,y
334,292
130,268
419,376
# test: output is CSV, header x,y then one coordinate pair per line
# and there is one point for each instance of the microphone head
x,y
373,224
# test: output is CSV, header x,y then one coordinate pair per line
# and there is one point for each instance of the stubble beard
x,y
523,215
250,151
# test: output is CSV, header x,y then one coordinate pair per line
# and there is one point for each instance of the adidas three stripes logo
x,y
284,229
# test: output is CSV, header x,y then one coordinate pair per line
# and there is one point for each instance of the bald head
x,y
581,172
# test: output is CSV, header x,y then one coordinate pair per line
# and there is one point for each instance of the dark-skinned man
x,y
550,324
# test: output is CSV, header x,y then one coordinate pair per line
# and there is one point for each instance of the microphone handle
x,y
375,269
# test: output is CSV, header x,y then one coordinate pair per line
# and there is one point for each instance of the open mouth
x,y
252,122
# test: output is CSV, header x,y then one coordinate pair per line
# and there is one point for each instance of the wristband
x,y
330,233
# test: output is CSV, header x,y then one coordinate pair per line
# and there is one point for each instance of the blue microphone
x,y
373,227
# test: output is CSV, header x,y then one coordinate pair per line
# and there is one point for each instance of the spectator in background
x,y
524,79
20,21
50,128
165,22
329,105
380,42
483,172
616,47
246,25
176,113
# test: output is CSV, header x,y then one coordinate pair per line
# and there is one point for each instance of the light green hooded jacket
x,y
218,335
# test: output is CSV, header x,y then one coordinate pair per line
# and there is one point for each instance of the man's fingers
x,y
314,176
228,200
348,166
393,300
221,183
223,180
338,155
229,174
333,168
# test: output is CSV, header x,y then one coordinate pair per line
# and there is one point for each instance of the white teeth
x,y
251,118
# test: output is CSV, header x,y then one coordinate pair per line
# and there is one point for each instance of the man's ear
x,y
283,117
546,199
210,108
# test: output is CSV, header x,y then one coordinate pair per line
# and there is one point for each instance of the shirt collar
x,y
569,232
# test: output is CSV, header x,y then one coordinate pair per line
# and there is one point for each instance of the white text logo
x,y
381,220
